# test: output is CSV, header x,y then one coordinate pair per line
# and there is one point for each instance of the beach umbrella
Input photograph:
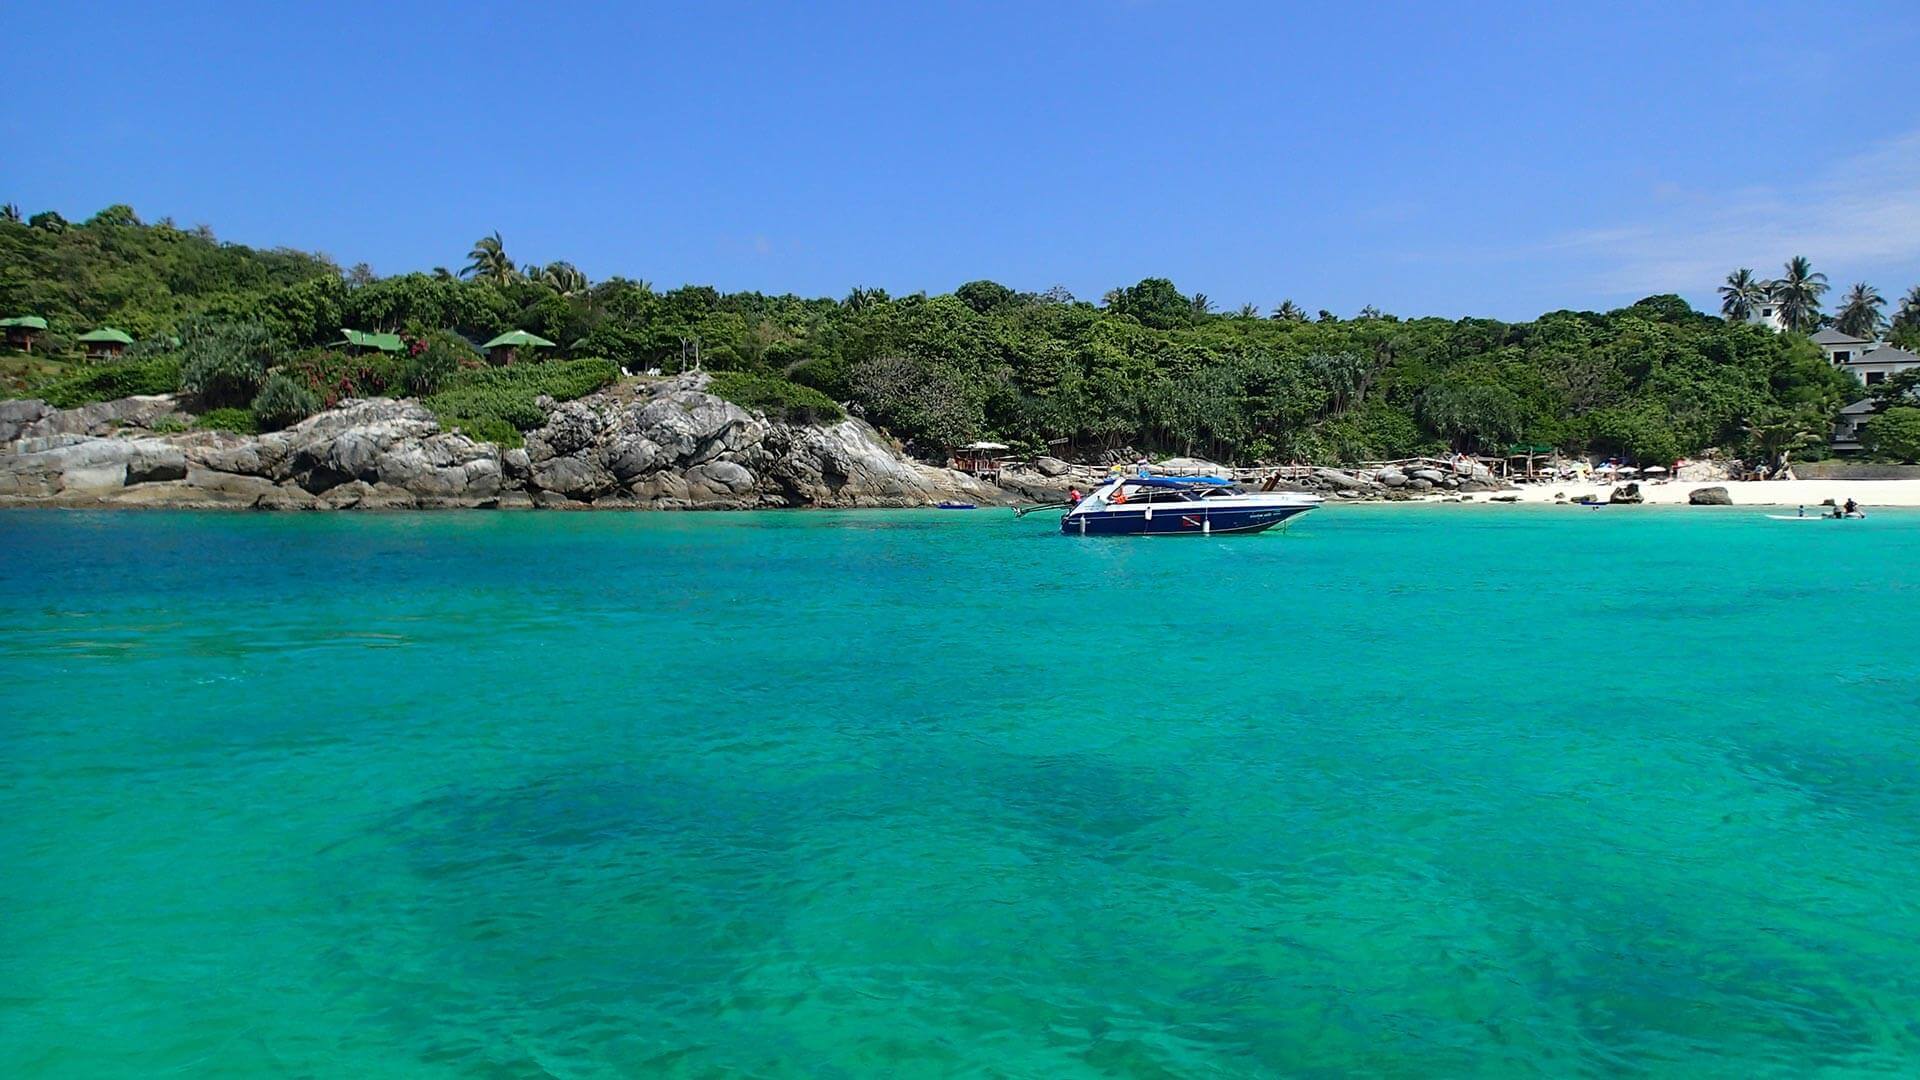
x,y
1652,470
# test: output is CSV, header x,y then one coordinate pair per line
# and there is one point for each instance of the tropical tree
x,y
1860,315
1288,311
1201,304
1896,433
1774,430
1909,313
564,278
488,261
10,214
1741,294
1249,311
1798,294
860,298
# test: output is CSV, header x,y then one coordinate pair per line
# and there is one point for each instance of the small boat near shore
x,y
1181,505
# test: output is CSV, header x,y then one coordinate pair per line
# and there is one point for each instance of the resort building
x,y
981,459
505,349
22,329
1869,361
105,343
360,341
1767,314
1847,429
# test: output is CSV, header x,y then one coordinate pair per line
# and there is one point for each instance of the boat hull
x,y
1198,520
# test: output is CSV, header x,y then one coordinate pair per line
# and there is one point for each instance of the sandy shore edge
x,y
1788,493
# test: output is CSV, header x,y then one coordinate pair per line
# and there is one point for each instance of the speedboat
x,y
1175,505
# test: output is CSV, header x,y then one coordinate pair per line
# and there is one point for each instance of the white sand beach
x,y
1809,493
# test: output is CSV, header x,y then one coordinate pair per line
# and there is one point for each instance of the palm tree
x,y
1200,304
1249,311
1798,294
1860,315
1741,294
564,278
860,298
1288,311
1909,313
488,261
10,213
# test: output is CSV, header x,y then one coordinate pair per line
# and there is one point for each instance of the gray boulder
x,y
1340,479
1709,496
1051,466
572,477
1392,478
1626,493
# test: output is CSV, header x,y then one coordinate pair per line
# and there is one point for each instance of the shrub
x,y
283,400
335,376
224,362
432,360
776,397
240,420
496,404
107,382
1896,434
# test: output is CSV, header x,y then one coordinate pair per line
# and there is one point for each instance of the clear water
x,y
1403,791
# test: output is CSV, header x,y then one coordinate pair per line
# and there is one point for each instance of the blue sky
x,y
1485,159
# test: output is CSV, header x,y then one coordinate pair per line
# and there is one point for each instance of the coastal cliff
x,y
665,445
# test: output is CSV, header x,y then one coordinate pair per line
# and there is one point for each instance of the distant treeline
x,y
1147,367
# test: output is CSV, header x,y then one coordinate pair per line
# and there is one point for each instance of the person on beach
x,y
1073,495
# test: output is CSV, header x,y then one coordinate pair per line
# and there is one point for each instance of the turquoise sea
x,y
1415,792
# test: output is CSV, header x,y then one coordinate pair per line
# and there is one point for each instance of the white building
x,y
1870,362
1767,313
1846,430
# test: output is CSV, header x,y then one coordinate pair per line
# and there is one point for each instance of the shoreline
x,y
1752,493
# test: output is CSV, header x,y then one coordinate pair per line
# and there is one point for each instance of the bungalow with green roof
x,y
22,329
105,343
505,349
360,341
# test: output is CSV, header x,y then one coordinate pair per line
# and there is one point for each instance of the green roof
x,y
365,340
106,333
515,338
31,322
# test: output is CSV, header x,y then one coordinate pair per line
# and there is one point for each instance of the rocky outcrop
x,y
1626,493
666,445
1709,496
34,419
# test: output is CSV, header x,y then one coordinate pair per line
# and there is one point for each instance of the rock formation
x,y
664,445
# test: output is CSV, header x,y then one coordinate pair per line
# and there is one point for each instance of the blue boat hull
x,y
1201,520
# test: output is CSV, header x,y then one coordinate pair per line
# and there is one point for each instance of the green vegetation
x,y
240,420
284,400
224,363
105,382
497,404
1149,366
776,397
1895,434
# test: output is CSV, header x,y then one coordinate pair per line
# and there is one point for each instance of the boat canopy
x,y
1177,481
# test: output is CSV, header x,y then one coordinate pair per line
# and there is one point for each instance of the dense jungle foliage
x,y
1148,366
